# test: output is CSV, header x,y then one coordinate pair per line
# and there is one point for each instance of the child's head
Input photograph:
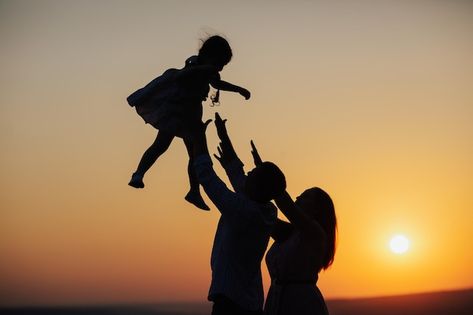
x,y
216,51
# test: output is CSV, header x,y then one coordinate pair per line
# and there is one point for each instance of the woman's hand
x,y
254,152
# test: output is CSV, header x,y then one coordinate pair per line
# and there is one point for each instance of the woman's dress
x,y
293,265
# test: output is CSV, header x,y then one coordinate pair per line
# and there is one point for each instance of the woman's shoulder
x,y
314,241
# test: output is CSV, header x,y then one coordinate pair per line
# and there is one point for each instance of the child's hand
x,y
245,93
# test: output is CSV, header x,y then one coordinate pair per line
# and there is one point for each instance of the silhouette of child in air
x,y
172,103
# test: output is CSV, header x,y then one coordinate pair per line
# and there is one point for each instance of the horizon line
x,y
200,302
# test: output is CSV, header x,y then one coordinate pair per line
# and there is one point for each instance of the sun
x,y
399,244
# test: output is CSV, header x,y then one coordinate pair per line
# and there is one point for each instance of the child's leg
x,y
158,147
193,196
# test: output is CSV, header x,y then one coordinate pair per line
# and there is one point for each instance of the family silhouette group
x,y
172,103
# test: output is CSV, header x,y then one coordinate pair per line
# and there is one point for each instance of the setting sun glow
x,y
399,244
369,100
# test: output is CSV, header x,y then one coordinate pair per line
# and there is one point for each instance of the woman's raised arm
x,y
298,217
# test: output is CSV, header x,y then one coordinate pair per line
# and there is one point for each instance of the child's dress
x,y
170,105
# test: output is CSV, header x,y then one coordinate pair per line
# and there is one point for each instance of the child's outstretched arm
x,y
226,86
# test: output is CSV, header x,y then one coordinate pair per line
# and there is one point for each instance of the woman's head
x,y
319,206
216,51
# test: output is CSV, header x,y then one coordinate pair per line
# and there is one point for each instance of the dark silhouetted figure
x,y
247,217
173,101
302,248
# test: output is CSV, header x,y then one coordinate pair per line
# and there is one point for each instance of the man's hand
x,y
199,141
226,152
205,124
223,156
197,130
221,129
254,152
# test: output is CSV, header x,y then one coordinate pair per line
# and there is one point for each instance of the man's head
x,y
265,182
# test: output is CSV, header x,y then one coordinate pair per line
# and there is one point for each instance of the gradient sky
x,y
371,100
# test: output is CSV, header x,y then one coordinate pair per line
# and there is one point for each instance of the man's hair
x,y
268,182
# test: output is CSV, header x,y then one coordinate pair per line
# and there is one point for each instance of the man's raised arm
x,y
224,199
228,157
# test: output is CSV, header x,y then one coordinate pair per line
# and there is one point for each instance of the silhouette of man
x,y
247,217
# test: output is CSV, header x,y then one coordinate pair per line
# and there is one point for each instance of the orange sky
x,y
370,100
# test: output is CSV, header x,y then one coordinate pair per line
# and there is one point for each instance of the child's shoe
x,y
195,198
136,181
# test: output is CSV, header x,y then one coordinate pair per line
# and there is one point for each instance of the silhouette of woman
x,y
173,102
301,249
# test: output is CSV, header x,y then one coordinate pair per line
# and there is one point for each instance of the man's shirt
x,y
242,235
